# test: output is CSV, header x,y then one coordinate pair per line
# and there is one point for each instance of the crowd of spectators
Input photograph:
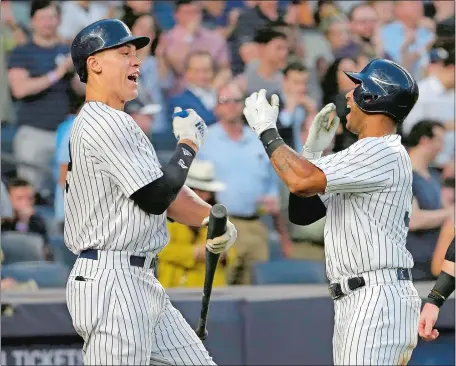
x,y
208,56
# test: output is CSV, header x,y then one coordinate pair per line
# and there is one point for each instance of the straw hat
x,y
201,176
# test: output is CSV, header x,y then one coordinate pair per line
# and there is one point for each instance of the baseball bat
x,y
216,227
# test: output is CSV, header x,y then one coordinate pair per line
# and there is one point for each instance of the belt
x,y
135,260
353,283
246,218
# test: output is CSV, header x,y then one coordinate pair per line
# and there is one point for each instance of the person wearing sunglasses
x,y
252,188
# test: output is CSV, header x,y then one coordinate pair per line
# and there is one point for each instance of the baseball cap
x,y
136,106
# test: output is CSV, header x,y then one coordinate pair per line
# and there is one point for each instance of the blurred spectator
x,y
446,236
40,74
25,220
251,184
242,43
428,214
445,33
296,50
155,77
335,86
436,102
443,10
406,40
266,71
384,10
298,107
182,261
217,17
364,23
199,93
133,9
6,208
326,9
12,34
75,15
144,115
188,36
337,32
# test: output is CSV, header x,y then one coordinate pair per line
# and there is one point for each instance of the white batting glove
x,y
223,242
261,115
189,125
321,132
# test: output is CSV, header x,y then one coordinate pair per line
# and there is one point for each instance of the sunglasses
x,y
230,100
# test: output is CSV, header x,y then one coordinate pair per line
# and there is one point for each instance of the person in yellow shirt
x,y
182,262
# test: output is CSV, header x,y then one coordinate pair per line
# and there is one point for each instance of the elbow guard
x,y
305,210
157,196
449,256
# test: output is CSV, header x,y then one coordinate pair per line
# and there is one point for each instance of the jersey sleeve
x,y
365,167
122,150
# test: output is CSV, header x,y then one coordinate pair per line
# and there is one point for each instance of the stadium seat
x,y
289,271
22,247
45,274
61,253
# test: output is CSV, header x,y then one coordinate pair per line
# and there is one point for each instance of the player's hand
x,y
321,132
428,318
223,242
261,115
188,125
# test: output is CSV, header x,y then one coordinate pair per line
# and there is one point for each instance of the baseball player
x,y
443,288
365,191
117,200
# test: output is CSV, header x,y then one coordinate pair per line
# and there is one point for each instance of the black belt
x,y
135,260
246,218
335,289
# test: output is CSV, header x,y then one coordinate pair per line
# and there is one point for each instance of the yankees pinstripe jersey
x,y
110,159
369,201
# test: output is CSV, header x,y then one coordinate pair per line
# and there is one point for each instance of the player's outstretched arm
x,y
301,176
443,288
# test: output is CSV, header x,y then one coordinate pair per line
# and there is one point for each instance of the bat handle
x,y
216,227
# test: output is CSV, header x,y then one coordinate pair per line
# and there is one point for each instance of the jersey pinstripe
x,y
111,158
369,200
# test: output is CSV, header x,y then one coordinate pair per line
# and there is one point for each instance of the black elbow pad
x,y
305,210
157,196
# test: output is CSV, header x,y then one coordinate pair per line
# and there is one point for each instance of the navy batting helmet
x,y
384,87
101,35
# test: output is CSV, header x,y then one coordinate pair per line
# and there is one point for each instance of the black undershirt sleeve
x,y
155,197
305,210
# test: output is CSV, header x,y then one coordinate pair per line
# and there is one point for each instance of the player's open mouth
x,y
134,77
348,110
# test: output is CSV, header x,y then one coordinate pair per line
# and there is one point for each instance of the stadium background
x,y
285,315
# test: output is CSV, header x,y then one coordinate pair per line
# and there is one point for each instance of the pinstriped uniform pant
x,y
125,317
378,323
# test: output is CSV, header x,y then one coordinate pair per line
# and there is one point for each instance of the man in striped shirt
x,y
365,191
117,200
